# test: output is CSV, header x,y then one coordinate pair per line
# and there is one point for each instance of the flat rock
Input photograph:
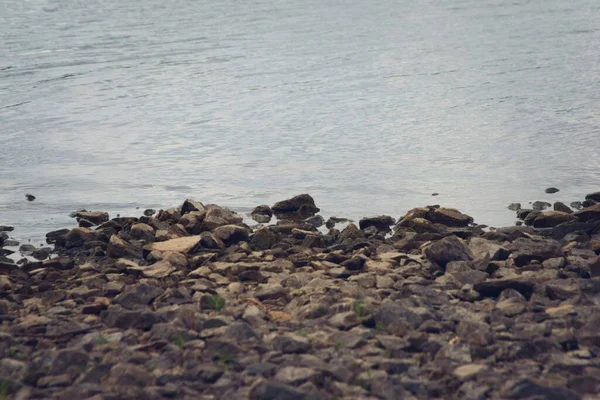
x,y
526,250
294,204
589,213
450,248
180,245
549,219
380,222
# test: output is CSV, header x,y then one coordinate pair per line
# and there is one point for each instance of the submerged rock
x,y
302,202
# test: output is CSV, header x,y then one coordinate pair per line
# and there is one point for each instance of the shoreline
x,y
195,302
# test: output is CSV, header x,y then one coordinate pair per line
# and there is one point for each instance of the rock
x,y
493,288
448,249
95,218
231,234
293,205
527,388
263,239
67,360
540,205
262,214
523,213
142,232
514,206
77,237
119,248
549,219
124,319
482,248
593,196
552,190
290,344
30,197
526,250
56,236
445,216
267,390
591,213
381,222
576,205
6,228
191,205
27,249
141,294
149,212
160,269
558,206
316,220
468,371
41,254
181,245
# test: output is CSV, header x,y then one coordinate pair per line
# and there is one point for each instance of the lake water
x,y
370,106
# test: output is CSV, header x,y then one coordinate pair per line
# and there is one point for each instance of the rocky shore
x,y
194,303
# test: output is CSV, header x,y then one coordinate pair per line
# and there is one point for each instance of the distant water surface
x,y
370,106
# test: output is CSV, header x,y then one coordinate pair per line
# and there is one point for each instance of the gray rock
x,y
380,222
138,295
448,249
549,219
191,205
593,196
514,206
540,205
294,204
267,390
559,206
552,190
289,343
527,250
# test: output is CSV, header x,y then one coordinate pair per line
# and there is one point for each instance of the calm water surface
x,y
369,106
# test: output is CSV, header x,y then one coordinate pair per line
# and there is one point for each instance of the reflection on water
x,y
368,106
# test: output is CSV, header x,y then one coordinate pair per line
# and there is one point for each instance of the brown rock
x,y
181,245
448,249
119,248
589,213
95,218
549,219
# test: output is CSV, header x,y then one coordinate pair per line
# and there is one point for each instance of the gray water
x,y
370,106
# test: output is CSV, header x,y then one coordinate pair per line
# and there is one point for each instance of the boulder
x,y
540,205
263,239
95,217
218,216
526,250
481,248
593,196
295,204
552,190
380,222
262,213
549,219
450,248
119,248
231,234
77,237
142,232
181,245
191,205
559,206
445,216
591,213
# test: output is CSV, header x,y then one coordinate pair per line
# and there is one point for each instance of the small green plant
x,y
13,353
359,308
215,301
6,386
100,340
226,360
302,332
179,341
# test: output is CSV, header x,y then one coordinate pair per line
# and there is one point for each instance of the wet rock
x,y
558,206
448,249
593,196
149,212
576,205
445,216
549,219
96,218
30,197
77,237
552,190
41,254
514,206
540,205
591,213
316,220
293,205
262,214
381,222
